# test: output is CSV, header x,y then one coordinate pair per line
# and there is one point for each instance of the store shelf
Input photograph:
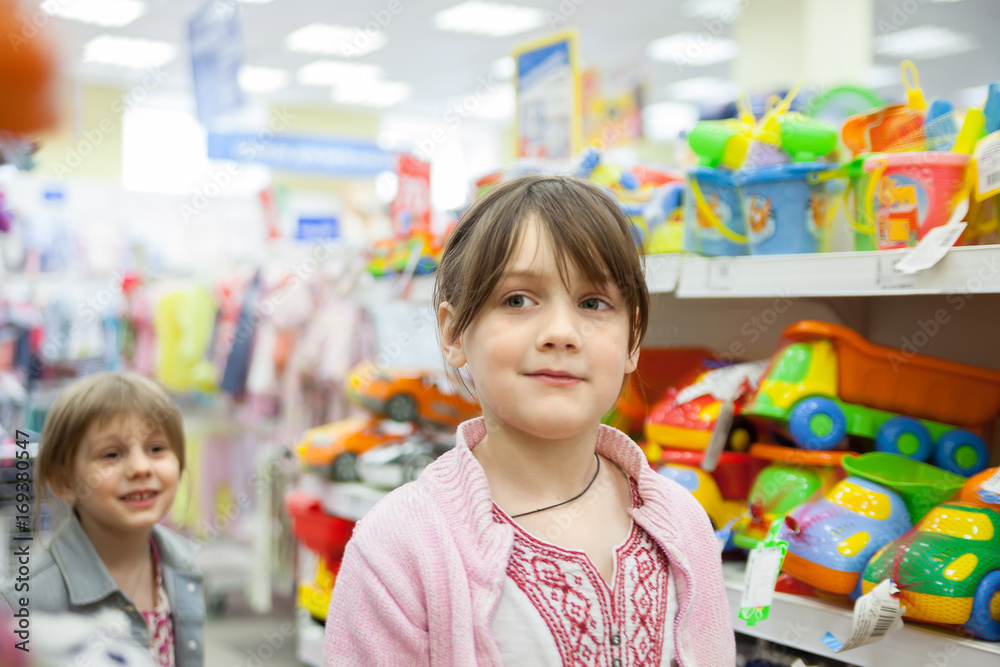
x,y
973,270
309,634
801,622
662,272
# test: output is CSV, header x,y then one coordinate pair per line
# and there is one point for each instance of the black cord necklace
x,y
571,499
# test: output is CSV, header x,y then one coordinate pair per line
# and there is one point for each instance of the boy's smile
x,y
547,355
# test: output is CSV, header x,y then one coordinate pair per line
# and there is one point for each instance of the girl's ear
x,y
62,487
632,362
451,348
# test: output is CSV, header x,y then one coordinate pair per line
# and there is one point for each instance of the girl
x,y
543,537
112,449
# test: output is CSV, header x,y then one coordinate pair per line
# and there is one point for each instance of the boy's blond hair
x,y
98,399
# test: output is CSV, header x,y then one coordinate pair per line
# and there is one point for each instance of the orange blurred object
x,y
806,457
320,446
970,491
884,130
409,395
27,71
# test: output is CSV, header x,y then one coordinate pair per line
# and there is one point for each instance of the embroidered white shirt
x,y
556,609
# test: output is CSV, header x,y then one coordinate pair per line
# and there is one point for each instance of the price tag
x,y
720,274
762,571
936,243
876,614
761,574
987,157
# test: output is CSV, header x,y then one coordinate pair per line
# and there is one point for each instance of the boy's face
x,y
546,359
125,476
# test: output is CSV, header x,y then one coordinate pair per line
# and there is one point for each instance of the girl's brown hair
x,y
98,399
585,226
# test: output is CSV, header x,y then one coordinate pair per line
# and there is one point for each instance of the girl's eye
x,y
109,456
518,301
157,449
594,304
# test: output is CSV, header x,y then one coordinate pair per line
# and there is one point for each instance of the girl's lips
x,y
555,378
140,499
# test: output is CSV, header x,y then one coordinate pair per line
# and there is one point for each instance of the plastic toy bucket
x,y
909,194
787,207
854,204
922,486
714,223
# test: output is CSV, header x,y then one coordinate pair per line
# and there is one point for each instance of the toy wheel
x,y
345,467
741,435
905,436
817,423
984,621
401,408
961,452
415,465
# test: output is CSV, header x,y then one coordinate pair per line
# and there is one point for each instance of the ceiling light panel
x,y
702,89
262,79
489,18
371,93
128,52
334,40
104,13
333,72
688,48
924,42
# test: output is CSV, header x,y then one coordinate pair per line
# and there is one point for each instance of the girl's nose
x,y
139,464
560,328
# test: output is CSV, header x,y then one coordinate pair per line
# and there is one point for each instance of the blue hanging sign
x,y
309,154
216,39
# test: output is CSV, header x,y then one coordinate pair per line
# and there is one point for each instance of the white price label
x,y
876,613
936,243
987,156
889,278
762,573
720,274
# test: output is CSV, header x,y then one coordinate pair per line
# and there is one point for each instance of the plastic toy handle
x,y
706,210
972,127
849,207
873,182
914,95
745,109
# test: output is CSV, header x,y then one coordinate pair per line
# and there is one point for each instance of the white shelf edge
x,y
662,273
966,270
800,622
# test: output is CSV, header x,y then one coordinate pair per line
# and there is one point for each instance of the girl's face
x,y
125,476
547,359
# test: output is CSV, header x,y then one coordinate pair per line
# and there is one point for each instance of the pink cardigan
x,y
424,571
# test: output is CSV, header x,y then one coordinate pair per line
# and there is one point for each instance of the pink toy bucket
x,y
909,194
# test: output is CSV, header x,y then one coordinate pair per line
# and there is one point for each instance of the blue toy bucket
x,y
787,207
713,218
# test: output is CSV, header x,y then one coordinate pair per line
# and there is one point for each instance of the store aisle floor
x,y
241,638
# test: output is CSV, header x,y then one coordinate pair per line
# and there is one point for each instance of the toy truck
x,y
827,382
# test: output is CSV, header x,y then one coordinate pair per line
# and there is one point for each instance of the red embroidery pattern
x,y
161,631
581,612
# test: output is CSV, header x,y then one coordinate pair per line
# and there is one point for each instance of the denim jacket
x,y
70,576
